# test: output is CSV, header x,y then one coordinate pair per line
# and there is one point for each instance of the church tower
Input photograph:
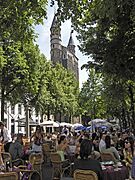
x,y
71,46
55,39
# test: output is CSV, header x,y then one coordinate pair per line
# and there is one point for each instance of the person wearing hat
x,y
5,136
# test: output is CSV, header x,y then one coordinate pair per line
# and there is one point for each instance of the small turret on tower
x,y
71,45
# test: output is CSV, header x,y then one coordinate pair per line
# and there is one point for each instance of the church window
x,y
5,107
12,109
19,109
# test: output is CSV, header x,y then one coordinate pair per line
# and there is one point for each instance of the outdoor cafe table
x,y
112,173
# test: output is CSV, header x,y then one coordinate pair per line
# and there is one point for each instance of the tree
x,y
17,19
118,96
91,99
106,33
59,91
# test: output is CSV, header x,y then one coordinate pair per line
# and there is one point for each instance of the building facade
x,y
61,54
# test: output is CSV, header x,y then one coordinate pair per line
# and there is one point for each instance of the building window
x,y
12,109
19,109
5,107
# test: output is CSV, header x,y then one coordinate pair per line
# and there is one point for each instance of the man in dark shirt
x,y
86,163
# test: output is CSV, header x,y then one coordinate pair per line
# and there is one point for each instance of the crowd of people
x,y
82,148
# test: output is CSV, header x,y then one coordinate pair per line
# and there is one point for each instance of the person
x,y
16,148
5,137
37,138
86,162
62,146
65,130
110,148
102,145
128,152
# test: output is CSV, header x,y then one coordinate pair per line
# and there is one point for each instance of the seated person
x,y
62,146
16,148
2,166
128,152
86,163
37,139
102,145
110,148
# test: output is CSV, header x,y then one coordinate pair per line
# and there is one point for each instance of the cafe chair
x,y
36,159
108,156
59,167
85,175
8,176
7,158
34,176
46,152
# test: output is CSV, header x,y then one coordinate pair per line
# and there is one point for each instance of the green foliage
x,y
91,100
59,91
17,18
107,34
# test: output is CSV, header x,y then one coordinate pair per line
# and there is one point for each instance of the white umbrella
x,y
97,121
62,124
76,125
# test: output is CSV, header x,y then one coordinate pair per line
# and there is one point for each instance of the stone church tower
x,y
61,54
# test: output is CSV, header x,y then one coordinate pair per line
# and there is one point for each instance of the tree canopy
x,y
106,30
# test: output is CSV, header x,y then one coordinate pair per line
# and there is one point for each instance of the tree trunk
x,y
2,103
131,96
48,113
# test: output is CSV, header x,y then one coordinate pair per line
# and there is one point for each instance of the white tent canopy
x,y
49,124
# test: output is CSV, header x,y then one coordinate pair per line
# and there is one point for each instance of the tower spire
x,y
71,45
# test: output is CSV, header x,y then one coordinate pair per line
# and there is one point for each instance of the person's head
x,y
94,135
108,141
129,144
85,148
86,136
19,138
102,136
38,128
1,125
62,139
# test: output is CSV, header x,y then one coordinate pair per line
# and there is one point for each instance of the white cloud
x,y
43,41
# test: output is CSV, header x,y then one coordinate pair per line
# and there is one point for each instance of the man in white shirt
x,y
5,137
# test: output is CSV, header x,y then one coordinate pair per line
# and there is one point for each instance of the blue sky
x,y
43,41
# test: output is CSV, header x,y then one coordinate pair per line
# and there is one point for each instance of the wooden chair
x,y
46,152
85,175
36,159
9,176
59,167
8,158
108,156
34,176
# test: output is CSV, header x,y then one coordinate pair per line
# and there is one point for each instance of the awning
x,y
22,122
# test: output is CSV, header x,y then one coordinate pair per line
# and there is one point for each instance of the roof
x,y
22,122
55,22
71,42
